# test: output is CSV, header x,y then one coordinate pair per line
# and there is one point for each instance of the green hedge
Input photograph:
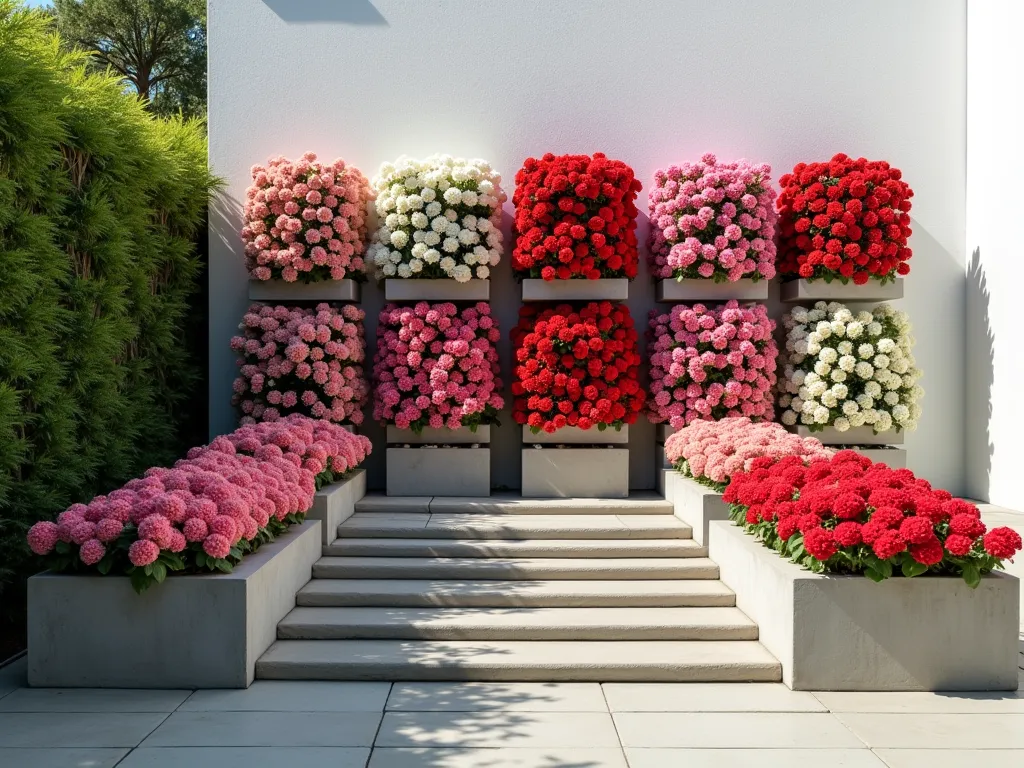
x,y
100,208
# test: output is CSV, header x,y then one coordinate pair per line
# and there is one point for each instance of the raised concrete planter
x,y
846,633
696,505
439,471
894,457
575,473
612,289
665,432
852,436
192,631
429,436
335,503
819,290
695,289
324,290
577,436
411,289
659,454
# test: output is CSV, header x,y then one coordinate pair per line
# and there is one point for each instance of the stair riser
x,y
485,571
465,548
503,632
651,509
498,600
479,534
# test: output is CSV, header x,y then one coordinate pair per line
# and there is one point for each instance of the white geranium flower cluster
x,y
439,218
845,370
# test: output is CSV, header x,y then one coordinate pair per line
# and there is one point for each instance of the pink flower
x,y
42,537
143,552
217,546
92,551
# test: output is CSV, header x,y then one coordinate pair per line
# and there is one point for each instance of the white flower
x,y
872,388
388,269
817,388
404,270
854,329
829,400
840,391
821,415
431,256
901,414
453,196
837,375
866,403
415,266
847,363
450,245
399,238
841,424
418,250
886,345
462,273
891,398
482,272
864,370
447,264
822,368
419,220
838,328
881,361
856,419
788,418
874,329
828,355
845,347
433,209
850,407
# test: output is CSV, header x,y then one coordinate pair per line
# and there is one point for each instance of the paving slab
x,y
14,676
634,504
951,758
482,548
997,702
762,758
374,502
72,757
266,729
747,730
507,697
708,697
293,696
936,731
505,730
92,700
247,757
411,757
76,729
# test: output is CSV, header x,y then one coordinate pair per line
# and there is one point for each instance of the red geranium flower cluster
x,y
847,515
845,218
576,367
575,218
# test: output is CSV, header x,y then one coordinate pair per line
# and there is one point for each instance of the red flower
x,y
958,544
819,543
847,534
966,525
889,544
917,530
928,552
1002,542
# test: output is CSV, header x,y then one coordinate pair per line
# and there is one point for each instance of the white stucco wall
x,y
649,82
995,365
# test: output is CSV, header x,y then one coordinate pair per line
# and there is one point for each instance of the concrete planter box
x,y
695,289
665,432
429,436
846,633
894,457
411,289
324,290
438,471
335,503
819,290
612,289
662,459
577,436
192,631
696,505
852,436
590,473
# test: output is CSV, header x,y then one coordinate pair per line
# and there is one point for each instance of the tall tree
x,y
157,46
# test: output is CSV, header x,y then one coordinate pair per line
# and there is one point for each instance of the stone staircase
x,y
516,589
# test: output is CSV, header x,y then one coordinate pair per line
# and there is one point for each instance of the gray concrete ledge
x,y
576,473
192,631
438,472
577,436
695,504
893,457
335,503
324,290
695,289
611,289
665,431
412,289
819,290
852,436
429,436
846,633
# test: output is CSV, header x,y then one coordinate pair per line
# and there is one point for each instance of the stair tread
x,y
508,503
536,548
469,526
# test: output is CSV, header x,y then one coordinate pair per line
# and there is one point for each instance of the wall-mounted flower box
x,y
412,289
438,471
577,436
819,290
610,289
852,436
591,472
322,290
431,436
695,289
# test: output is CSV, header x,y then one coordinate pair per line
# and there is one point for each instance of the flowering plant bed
x,y
576,367
436,366
206,512
306,361
575,218
711,362
849,371
305,220
844,219
713,220
848,515
439,218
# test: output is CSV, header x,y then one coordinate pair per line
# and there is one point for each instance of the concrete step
x,y
484,526
514,568
561,548
403,593
517,624
642,503
599,661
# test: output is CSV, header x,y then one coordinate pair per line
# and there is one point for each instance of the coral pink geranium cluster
x,y
848,515
307,361
207,511
436,367
711,362
305,220
713,220
713,451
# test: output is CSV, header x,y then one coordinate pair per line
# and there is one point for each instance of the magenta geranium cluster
x,y
713,220
307,361
209,509
711,362
436,366
305,219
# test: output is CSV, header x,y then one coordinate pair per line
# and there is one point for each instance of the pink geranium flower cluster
x,y
206,512
436,366
713,220
305,220
715,450
711,362
307,361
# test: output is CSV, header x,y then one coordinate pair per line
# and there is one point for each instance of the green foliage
x,y
100,206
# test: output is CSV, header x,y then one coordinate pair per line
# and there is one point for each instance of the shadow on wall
x,y
980,375
358,12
